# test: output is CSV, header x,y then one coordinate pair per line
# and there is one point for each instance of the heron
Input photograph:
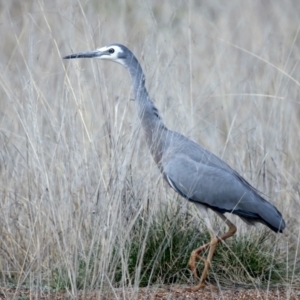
x,y
192,171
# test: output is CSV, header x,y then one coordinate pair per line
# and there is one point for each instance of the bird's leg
x,y
231,229
194,256
212,245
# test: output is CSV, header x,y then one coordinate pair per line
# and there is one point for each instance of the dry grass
x,y
75,172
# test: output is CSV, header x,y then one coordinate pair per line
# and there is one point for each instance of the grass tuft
x,y
159,252
158,249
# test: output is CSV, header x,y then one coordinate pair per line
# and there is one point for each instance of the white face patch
x,y
112,53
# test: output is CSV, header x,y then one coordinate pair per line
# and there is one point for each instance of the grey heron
x,y
192,171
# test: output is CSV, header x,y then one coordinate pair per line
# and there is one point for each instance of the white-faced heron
x,y
195,173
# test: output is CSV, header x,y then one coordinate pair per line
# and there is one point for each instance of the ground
x,y
180,292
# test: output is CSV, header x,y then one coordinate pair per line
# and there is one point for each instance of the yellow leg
x,y
194,256
212,245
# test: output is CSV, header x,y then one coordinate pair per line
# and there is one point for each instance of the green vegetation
x,y
157,252
170,240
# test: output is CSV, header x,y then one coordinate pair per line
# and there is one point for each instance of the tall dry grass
x,y
76,174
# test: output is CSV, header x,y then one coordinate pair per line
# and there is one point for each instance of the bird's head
x,y
114,52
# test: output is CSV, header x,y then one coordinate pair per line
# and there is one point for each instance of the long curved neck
x,y
148,113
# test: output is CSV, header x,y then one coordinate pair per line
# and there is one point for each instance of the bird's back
x,y
202,177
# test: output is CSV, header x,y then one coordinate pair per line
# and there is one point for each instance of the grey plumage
x,y
192,171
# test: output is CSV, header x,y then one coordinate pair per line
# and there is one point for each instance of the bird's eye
x,y
111,50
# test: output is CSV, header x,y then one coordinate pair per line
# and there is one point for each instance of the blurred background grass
x,y
76,175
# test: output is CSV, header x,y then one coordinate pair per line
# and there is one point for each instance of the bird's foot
x,y
202,285
198,287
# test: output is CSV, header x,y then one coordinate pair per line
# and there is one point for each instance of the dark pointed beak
x,y
90,54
